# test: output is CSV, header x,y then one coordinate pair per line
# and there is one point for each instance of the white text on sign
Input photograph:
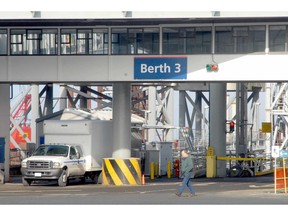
x,y
162,68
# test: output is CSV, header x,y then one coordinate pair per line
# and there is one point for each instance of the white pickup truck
x,y
59,162
74,149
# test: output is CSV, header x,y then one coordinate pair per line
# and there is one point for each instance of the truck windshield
x,y
52,150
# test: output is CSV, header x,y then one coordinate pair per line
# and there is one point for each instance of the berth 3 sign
x,y
160,68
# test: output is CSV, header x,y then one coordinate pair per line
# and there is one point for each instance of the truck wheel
x,y
83,180
236,171
100,179
26,182
63,179
94,177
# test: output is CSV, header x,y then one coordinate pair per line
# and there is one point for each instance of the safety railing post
x,y
152,170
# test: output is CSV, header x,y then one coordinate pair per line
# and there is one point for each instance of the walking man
x,y
186,172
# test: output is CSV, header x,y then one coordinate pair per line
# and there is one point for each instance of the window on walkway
x,y
278,38
135,41
33,42
3,42
84,41
239,39
187,40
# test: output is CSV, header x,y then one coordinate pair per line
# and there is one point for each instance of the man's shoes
x,y
178,194
192,195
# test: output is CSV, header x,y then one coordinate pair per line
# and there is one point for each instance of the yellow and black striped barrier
x,y
121,171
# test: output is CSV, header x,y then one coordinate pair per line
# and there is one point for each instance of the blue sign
x,y
2,149
160,68
283,154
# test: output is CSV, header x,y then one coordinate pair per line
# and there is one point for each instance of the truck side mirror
x,y
77,156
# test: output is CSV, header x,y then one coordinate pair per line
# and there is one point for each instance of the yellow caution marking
x,y
113,174
136,166
104,177
264,172
126,172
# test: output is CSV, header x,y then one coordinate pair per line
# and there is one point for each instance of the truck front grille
x,y
39,164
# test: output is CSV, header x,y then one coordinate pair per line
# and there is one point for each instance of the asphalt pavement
x,y
158,191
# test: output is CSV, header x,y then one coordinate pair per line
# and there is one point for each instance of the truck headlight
x,y
56,165
24,164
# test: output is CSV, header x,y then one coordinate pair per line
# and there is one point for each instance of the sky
x,y
142,5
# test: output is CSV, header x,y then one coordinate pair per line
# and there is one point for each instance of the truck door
x,y
81,162
76,167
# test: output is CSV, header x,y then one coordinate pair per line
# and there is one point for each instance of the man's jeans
x,y
186,183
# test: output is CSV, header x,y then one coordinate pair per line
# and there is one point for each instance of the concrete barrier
x,y
121,171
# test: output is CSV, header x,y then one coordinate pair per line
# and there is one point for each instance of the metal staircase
x,y
279,110
187,138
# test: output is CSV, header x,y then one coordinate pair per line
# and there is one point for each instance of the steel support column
x,y
34,112
268,116
217,126
83,100
241,119
48,105
63,97
170,113
199,115
151,113
121,120
4,126
182,110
